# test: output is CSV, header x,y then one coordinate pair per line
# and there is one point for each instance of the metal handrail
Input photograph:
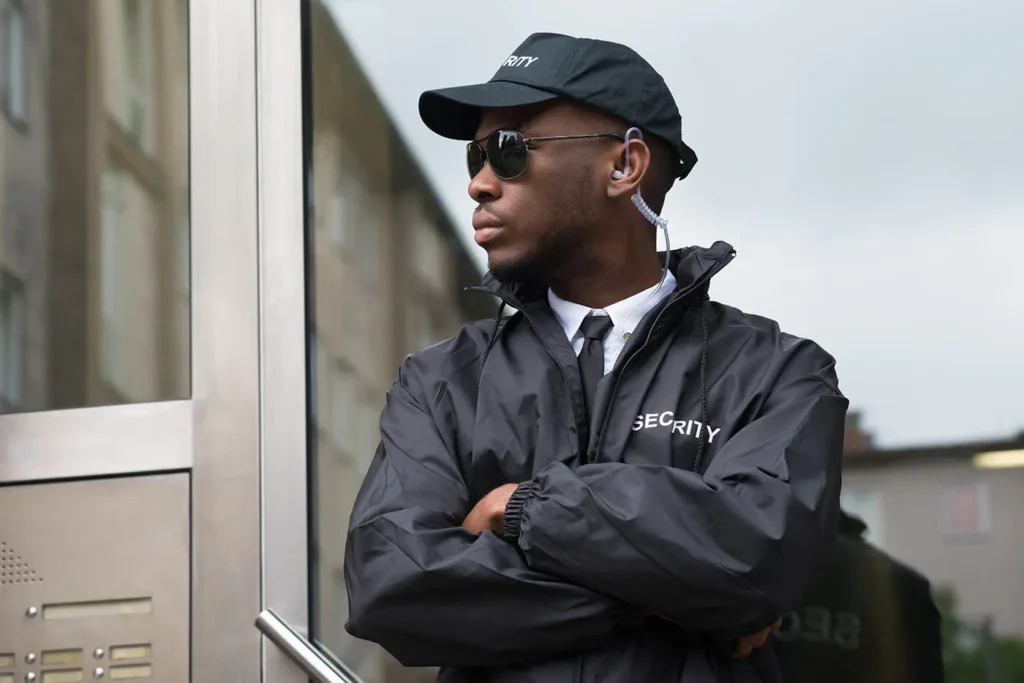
x,y
301,651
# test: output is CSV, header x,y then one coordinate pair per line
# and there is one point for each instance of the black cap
x,y
610,77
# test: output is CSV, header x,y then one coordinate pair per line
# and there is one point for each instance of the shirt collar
x,y
625,314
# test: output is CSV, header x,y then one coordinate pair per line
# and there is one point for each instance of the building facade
x,y
24,203
388,277
948,513
95,196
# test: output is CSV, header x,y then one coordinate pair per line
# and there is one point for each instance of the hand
x,y
747,645
489,513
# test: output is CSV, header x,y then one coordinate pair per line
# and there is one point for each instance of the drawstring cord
x,y
703,390
493,338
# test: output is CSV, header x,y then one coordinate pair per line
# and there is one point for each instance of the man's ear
x,y
625,178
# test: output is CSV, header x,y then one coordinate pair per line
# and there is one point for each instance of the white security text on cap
x,y
524,62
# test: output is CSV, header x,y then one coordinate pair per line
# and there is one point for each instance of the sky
x,y
866,161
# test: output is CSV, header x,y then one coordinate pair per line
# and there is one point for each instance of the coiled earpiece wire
x,y
649,214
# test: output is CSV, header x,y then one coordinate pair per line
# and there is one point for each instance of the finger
x,y
743,645
742,650
777,625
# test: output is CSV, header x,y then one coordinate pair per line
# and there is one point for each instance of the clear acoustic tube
x,y
648,213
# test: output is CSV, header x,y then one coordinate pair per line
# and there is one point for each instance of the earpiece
x,y
617,174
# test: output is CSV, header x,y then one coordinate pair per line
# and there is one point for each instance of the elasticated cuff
x,y
515,508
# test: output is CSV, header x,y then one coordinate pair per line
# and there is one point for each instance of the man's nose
x,y
485,185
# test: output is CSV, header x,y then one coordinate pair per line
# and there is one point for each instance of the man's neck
x,y
609,285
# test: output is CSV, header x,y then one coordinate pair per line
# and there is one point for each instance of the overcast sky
x,y
866,160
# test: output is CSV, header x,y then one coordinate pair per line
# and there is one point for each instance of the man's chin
x,y
514,270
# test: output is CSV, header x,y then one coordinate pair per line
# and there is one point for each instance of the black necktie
x,y
591,360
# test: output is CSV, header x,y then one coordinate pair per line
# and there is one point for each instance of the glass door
x,y
360,265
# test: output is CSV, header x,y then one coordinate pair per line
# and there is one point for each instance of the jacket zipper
x,y
575,416
565,378
602,427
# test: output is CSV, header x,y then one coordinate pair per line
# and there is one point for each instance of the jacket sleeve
x,y
726,553
430,592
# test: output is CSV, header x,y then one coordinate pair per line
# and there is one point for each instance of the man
x,y
868,618
623,481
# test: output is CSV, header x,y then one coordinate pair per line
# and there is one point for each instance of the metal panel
x,y
226,552
63,444
96,577
282,324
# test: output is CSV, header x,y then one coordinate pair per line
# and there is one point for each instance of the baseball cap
x,y
548,66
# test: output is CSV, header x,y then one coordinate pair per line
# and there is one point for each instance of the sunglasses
x,y
507,152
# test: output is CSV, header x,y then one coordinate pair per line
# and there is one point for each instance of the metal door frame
x,y
284,618
284,503
250,550
226,559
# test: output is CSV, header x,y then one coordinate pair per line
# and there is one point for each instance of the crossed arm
x,y
489,515
725,553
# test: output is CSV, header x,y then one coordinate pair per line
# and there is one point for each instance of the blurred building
x,y
119,323
94,269
389,274
24,203
952,512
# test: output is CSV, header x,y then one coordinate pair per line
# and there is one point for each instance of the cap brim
x,y
455,112
687,160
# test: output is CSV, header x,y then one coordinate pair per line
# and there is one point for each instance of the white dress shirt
x,y
625,315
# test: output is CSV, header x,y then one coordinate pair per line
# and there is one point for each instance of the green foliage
x,y
971,652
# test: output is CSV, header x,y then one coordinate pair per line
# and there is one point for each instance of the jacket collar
x,y
690,265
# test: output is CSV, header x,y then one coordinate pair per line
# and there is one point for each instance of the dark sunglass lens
x,y
474,158
506,152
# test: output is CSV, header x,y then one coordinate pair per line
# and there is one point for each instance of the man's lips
x,y
486,234
486,227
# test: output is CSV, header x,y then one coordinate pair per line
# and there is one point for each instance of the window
x,y
111,265
353,219
90,218
355,227
867,507
341,395
183,263
338,223
966,512
346,194
369,430
12,342
13,63
138,37
420,326
428,255
369,242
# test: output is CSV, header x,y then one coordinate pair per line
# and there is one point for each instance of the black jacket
x,y
704,488
869,618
